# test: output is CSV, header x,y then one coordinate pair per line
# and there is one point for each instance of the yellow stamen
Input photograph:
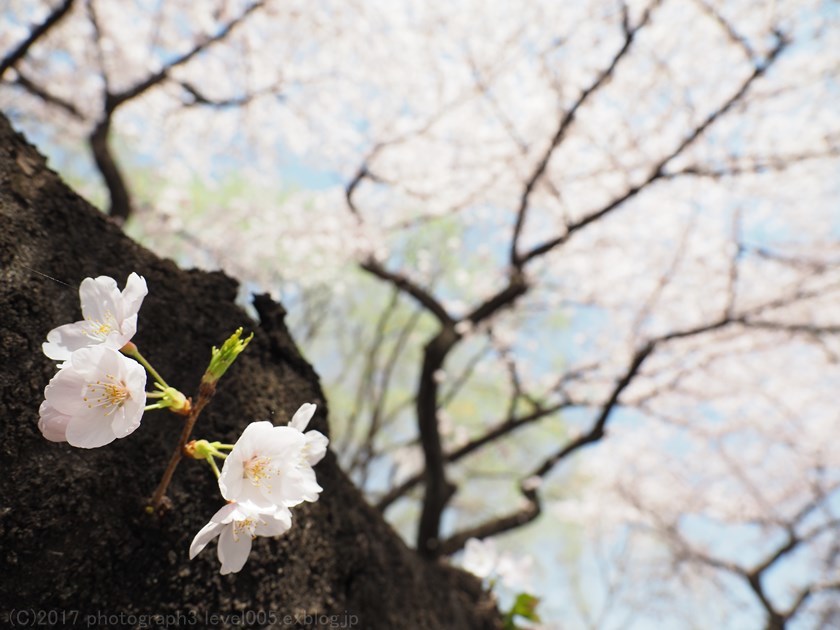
x,y
258,470
99,330
110,394
245,524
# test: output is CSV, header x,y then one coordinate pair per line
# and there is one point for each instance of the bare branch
x,y
752,166
499,430
140,87
120,199
515,520
517,286
200,98
565,123
17,53
47,97
595,434
730,31
658,172
400,281
597,431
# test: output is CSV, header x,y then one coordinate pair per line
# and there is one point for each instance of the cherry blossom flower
x,y
96,397
316,442
269,466
482,559
110,317
236,525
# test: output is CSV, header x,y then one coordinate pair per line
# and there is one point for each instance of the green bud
x,y
199,449
170,398
223,357
175,401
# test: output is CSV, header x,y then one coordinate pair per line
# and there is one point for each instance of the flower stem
x,y
212,462
205,393
131,350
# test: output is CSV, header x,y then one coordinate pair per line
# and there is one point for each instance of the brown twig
x,y
205,393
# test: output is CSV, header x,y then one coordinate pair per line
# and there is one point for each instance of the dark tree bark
x,y
74,536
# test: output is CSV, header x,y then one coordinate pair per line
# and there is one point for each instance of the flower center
x,y
109,394
99,330
258,469
245,525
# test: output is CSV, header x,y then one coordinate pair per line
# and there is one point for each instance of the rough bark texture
x,y
75,538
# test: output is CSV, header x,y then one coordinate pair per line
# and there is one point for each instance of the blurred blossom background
x,y
568,270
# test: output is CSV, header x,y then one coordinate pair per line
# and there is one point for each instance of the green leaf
x,y
525,606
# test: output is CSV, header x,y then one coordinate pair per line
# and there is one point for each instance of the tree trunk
x,y
78,547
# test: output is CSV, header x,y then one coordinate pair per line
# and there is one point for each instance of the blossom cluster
x,y
267,471
98,393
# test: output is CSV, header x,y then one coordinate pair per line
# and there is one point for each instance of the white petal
x,y
233,553
92,363
230,479
259,496
297,486
135,378
302,417
120,336
126,419
285,443
227,513
52,423
281,444
316,446
89,431
204,536
274,524
66,390
254,437
99,298
107,360
133,294
64,340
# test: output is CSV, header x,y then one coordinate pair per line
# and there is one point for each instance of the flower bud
x,y
223,357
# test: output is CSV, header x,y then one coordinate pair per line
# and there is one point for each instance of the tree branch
x,y
400,281
595,434
657,172
514,520
517,286
120,206
498,431
17,53
565,123
438,490
120,199
140,87
48,97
